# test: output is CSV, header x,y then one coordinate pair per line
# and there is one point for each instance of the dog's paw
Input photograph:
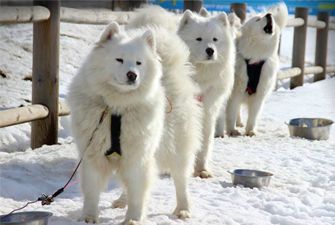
x,y
204,174
234,133
131,222
182,214
239,124
250,133
89,219
119,204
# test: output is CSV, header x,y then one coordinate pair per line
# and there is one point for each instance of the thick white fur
x,y
214,76
101,82
141,133
182,129
256,45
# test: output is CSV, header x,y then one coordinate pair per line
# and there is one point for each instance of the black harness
x,y
115,135
254,72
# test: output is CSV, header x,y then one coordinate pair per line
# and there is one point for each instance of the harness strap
x,y
254,72
115,135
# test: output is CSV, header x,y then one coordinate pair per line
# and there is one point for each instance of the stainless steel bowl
x,y
250,178
310,128
26,218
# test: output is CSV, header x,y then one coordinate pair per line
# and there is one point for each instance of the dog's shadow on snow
x,y
225,184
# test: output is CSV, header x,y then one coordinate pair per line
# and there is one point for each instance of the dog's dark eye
x,y
258,19
199,39
215,39
138,63
119,60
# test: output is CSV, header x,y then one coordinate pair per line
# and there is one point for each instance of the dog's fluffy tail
x,y
280,14
151,15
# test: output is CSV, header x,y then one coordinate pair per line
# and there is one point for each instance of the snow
x,y
301,192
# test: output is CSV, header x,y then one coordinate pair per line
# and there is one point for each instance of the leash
x,y
48,199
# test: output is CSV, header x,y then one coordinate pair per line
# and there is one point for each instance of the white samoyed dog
x,y
211,43
212,53
123,74
256,67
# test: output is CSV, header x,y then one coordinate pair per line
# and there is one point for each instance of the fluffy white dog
x,y
122,77
123,73
256,66
210,40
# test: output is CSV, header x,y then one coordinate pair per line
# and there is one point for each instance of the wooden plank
x,y
92,16
193,5
22,14
28,113
317,24
295,22
288,73
321,46
45,83
299,46
313,70
23,114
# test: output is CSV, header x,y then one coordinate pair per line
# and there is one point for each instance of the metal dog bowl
x,y
26,218
250,178
310,128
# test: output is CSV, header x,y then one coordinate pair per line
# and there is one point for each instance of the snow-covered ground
x,y
302,191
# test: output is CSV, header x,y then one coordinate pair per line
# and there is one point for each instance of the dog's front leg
x,y
254,107
137,178
233,108
92,183
201,167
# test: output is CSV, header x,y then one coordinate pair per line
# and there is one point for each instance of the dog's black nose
x,y
209,51
131,76
268,16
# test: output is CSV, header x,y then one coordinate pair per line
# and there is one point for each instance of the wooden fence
x,y
46,16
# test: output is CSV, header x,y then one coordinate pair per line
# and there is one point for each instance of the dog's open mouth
x,y
269,26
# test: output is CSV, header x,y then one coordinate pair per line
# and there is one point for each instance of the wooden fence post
x,y
45,84
299,47
127,5
193,5
321,46
240,10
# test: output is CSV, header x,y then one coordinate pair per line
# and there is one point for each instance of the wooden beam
x,y
45,83
23,114
299,46
23,14
321,46
288,73
193,5
92,16
295,22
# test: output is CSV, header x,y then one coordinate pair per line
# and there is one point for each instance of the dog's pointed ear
x,y
203,12
149,38
112,29
186,18
223,18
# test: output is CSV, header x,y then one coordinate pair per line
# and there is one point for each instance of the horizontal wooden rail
x,y
288,73
92,16
29,113
23,14
295,22
292,72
